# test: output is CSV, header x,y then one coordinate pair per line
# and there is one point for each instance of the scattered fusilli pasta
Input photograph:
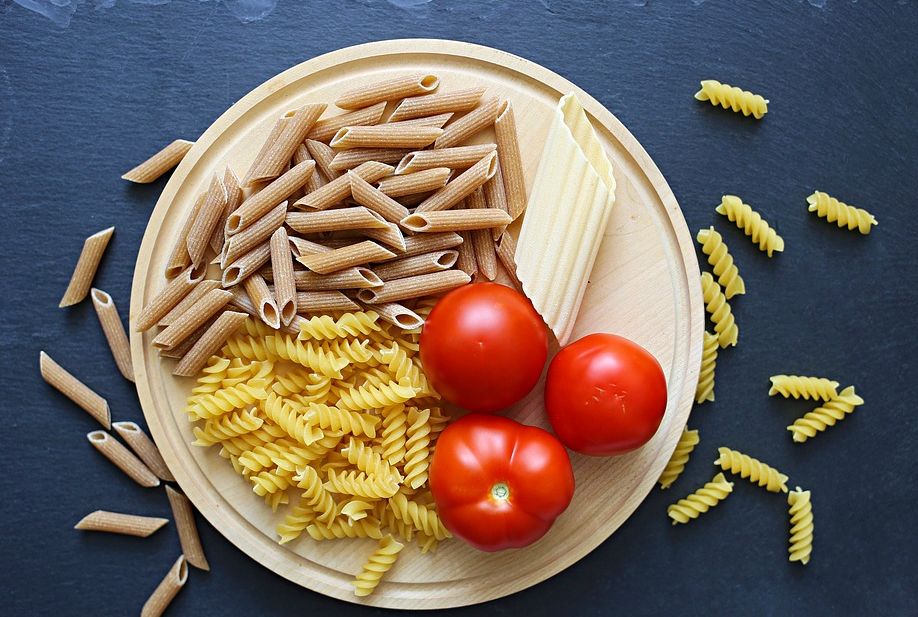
x,y
838,212
826,415
731,97
680,457
377,565
753,469
702,500
798,386
705,389
801,522
752,224
713,245
721,315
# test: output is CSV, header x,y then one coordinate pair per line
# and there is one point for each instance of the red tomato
x,y
605,395
498,483
483,346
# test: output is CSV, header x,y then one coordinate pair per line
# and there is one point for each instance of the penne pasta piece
x,y
183,514
263,300
113,329
417,264
385,136
210,343
282,272
414,287
320,302
233,200
271,164
374,199
419,182
144,448
339,259
198,239
430,104
508,149
496,197
459,157
349,278
87,264
158,164
315,179
391,235
302,246
265,200
426,243
247,265
124,524
276,129
242,301
398,315
466,260
121,458
74,389
178,258
436,121
192,319
179,351
323,155
349,159
167,299
254,235
198,292
340,188
482,240
468,125
462,185
388,90
506,251
410,201
325,129
166,591
455,220
335,220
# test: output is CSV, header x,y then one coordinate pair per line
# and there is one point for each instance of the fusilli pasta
x,y
712,245
753,469
315,495
226,427
395,424
838,212
369,461
296,521
731,97
219,402
360,485
282,413
705,389
702,500
798,386
417,452
324,327
377,565
369,396
752,223
721,315
367,527
423,518
337,419
801,526
826,415
680,457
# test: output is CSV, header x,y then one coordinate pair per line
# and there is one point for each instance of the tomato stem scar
x,y
500,491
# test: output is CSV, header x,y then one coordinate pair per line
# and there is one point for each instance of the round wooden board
x,y
644,286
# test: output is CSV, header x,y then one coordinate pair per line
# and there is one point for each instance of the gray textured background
x,y
89,88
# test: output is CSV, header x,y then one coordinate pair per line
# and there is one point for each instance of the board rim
x,y
248,542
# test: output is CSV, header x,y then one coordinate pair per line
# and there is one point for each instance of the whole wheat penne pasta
x,y
282,273
124,524
178,352
339,259
437,121
183,514
508,149
192,319
113,329
302,247
242,302
324,301
315,180
374,199
202,288
246,265
198,239
398,315
427,243
388,90
272,164
349,159
385,136
158,164
233,200
254,235
455,220
496,197
263,300
276,129
325,129
461,186
349,278
119,456
178,257
466,260
417,264
144,448
419,182
166,591
391,236
265,200
430,104
459,157
209,344
414,287
471,123
75,390
339,188
323,155
482,240
506,251
335,220
410,201
86,266
167,299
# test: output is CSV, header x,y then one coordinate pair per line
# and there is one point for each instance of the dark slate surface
x,y
89,88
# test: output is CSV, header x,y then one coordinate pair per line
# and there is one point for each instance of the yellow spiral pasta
x,y
395,425
731,97
702,500
271,481
360,484
287,455
752,224
369,396
356,352
680,457
417,453
306,354
368,460
246,347
396,526
257,328
798,386
337,419
208,406
753,469
367,527
721,315
712,245
825,415
311,385
333,460
225,427
705,389
403,367
240,444
325,327
282,412
315,495
356,509
422,518
838,212
377,565
801,526
276,499
296,521
211,377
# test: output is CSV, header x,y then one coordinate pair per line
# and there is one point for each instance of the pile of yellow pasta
x,y
342,416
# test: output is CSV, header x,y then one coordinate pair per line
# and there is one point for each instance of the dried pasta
x,y
680,457
183,513
144,448
166,591
800,510
74,389
798,386
432,104
125,524
702,500
377,565
753,469
705,389
85,269
468,125
712,245
838,212
721,315
119,456
828,414
731,97
158,164
325,129
752,224
388,90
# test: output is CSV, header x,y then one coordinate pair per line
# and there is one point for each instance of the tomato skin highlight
x,y
483,347
497,483
605,395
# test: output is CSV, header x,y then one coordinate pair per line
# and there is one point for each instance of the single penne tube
x,y
459,157
466,260
178,257
340,188
427,243
409,184
242,302
202,288
323,155
385,136
233,200
320,302
437,121
335,220
282,273
178,352
263,300
246,265
349,278
265,200
316,179
417,264
482,240
144,448
340,259
506,250
254,235
349,159
455,220
87,264
75,390
198,239
166,591
124,524
398,315
192,319
121,458
158,164
511,161
114,332
325,129
496,197
390,235
210,343
370,197
183,515
414,287
302,247
388,90
276,129
468,125
456,102
461,186
167,299
278,155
